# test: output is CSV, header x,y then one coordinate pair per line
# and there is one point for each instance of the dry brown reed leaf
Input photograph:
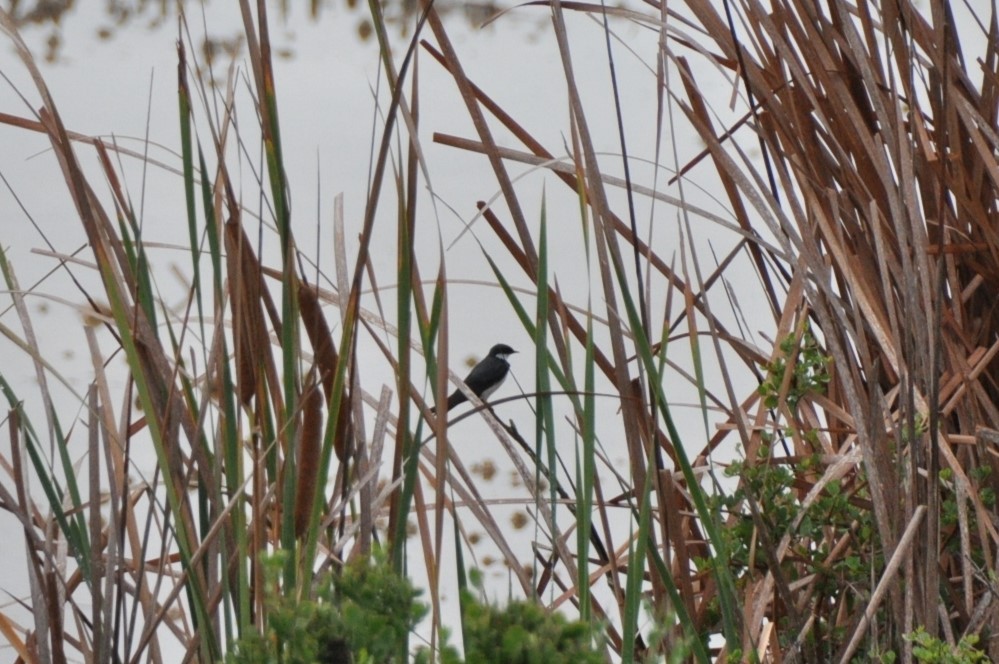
x,y
324,350
307,464
903,551
11,633
318,330
249,330
889,184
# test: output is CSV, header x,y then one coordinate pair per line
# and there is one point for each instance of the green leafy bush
x,y
930,650
363,615
524,633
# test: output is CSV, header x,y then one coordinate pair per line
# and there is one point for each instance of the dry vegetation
x,y
862,507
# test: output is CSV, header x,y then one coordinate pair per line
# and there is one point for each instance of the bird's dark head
x,y
502,351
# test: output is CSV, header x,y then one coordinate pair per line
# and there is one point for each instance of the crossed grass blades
x,y
856,515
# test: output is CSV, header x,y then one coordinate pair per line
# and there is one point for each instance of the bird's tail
x,y
456,398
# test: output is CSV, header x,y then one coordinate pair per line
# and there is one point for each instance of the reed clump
x,y
832,499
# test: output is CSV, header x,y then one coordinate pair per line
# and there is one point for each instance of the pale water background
x,y
328,80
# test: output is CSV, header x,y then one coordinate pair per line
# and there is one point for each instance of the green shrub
x,y
523,632
363,615
930,650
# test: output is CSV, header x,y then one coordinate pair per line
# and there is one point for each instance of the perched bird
x,y
485,376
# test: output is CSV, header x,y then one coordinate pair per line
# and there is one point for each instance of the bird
x,y
485,376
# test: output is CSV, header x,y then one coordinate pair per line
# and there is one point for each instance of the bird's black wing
x,y
485,374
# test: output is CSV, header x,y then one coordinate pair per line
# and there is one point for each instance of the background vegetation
x,y
834,500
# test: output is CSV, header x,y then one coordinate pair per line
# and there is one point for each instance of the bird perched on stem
x,y
485,376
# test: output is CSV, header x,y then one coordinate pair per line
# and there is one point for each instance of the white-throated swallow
x,y
485,376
